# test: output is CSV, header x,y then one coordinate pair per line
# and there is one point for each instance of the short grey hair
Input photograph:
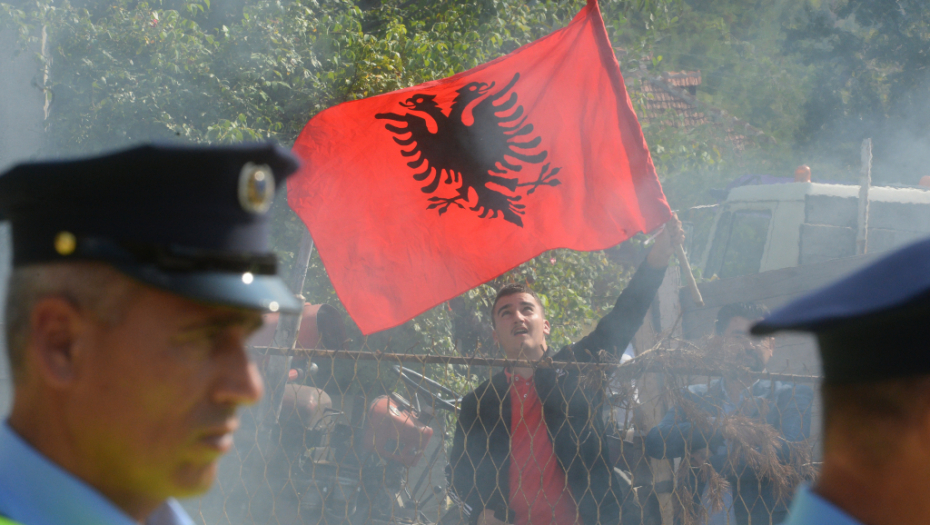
x,y
90,286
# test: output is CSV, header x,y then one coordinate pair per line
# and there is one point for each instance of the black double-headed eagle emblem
x,y
483,157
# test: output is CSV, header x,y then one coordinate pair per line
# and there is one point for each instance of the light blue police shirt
x,y
810,509
35,491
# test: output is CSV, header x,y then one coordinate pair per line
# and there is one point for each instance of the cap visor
x,y
266,293
898,281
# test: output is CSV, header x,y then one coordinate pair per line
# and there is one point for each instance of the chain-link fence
x,y
680,433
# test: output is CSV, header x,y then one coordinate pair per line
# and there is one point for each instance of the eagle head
x,y
473,90
420,102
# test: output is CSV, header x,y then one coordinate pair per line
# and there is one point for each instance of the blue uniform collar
x,y
810,509
36,491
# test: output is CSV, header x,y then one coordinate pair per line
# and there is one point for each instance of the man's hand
x,y
665,243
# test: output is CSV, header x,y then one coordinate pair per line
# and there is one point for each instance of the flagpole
x,y
689,277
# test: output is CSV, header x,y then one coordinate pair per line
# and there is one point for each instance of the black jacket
x,y
480,456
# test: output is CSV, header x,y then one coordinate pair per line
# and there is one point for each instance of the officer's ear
x,y
53,348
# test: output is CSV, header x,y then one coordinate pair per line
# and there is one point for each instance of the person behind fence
x,y
529,445
871,329
786,407
137,277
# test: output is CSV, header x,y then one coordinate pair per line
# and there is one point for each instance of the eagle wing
x,y
496,129
433,154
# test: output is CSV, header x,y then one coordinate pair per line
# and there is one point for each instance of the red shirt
x,y
538,491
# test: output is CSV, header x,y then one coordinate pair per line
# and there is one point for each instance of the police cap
x,y
871,325
191,220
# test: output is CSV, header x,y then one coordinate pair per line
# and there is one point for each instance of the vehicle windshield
x,y
739,243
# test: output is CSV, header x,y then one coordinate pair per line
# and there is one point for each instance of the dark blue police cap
x,y
191,220
870,325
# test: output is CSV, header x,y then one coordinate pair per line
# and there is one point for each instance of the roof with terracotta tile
x,y
683,78
671,99
659,100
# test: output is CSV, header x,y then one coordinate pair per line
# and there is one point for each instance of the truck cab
x,y
761,228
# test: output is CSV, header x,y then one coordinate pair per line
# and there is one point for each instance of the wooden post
x,y
865,180
285,335
668,305
688,275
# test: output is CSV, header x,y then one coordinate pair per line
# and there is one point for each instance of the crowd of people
x,y
126,336
498,473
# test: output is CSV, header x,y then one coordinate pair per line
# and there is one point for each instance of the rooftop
x,y
659,100
797,191
671,99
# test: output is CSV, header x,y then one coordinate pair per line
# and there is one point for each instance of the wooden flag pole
x,y
688,276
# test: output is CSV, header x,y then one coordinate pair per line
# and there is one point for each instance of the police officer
x,y
871,328
137,277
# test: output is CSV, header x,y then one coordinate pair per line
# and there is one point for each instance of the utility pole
x,y
865,180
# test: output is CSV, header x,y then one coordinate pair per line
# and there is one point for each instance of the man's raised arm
x,y
616,329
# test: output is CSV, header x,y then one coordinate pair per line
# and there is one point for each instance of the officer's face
x,y
750,351
520,328
156,406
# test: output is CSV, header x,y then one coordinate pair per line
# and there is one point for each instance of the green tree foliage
x,y
736,45
871,80
131,70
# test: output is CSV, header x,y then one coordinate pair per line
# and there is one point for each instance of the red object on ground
x,y
539,493
394,432
416,196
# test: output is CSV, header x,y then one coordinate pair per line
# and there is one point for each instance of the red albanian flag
x,y
416,196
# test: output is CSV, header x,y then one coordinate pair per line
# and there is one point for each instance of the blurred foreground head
x,y
871,328
871,325
137,278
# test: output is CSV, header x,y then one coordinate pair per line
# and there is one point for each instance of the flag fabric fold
x,y
416,196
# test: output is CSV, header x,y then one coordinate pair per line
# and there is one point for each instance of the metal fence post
x,y
285,336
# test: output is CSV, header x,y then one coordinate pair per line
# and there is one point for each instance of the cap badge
x,y
256,188
65,243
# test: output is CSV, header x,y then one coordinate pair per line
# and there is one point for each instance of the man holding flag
x,y
529,445
416,196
